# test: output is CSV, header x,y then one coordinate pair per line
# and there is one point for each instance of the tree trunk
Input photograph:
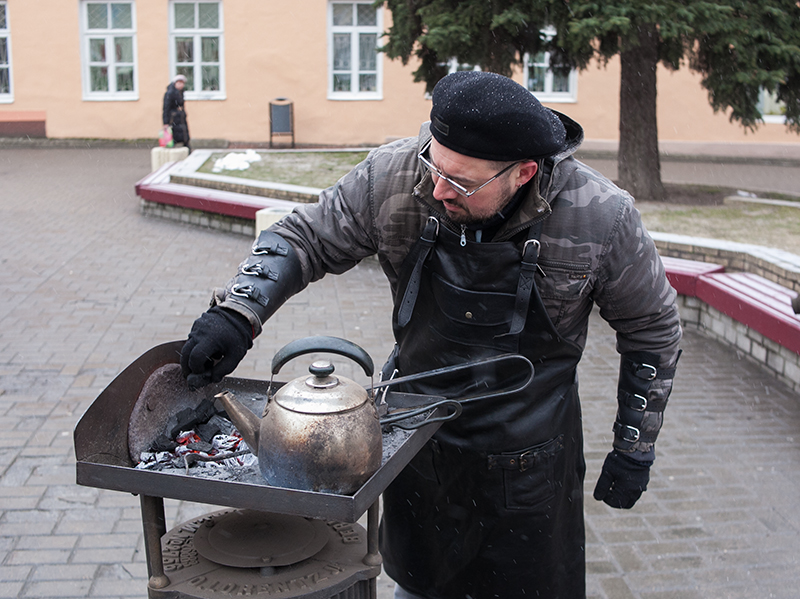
x,y
639,163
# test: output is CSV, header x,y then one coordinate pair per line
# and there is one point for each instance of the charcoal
x,y
163,443
223,422
208,431
188,418
186,421
200,446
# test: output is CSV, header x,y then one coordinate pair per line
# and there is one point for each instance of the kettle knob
x,y
321,368
321,379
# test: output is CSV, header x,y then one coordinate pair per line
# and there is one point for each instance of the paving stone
x,y
10,589
616,588
118,588
628,559
102,555
47,542
86,526
594,567
97,541
127,526
678,562
56,475
123,571
65,572
38,556
631,536
17,529
659,549
67,497
58,588
675,594
15,573
652,581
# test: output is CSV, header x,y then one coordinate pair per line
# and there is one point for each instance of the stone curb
x,y
773,264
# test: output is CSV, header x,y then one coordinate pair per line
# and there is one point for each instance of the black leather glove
x,y
622,481
218,341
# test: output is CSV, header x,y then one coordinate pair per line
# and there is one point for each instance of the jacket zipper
x,y
415,194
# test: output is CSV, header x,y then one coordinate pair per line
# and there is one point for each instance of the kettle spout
x,y
245,421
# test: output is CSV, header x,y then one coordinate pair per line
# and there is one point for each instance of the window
x,y
354,69
453,66
772,109
546,83
109,51
5,56
197,49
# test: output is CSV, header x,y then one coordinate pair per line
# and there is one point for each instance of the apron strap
x,y
525,285
426,240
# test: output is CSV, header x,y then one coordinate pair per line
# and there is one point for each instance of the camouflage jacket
x,y
595,249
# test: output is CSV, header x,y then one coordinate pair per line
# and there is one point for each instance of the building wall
x,y
279,49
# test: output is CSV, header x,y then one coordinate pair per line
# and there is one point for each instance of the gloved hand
x,y
622,480
218,341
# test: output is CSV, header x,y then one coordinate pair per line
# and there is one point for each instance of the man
x,y
173,113
494,240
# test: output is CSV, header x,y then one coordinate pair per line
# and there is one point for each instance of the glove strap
x,y
631,434
646,369
269,276
642,395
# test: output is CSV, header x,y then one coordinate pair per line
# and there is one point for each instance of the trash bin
x,y
281,119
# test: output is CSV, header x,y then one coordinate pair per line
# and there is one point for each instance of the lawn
x,y
771,226
312,169
690,210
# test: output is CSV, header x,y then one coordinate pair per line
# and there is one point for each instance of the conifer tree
x,y
739,47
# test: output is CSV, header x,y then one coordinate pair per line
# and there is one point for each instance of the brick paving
x,y
89,284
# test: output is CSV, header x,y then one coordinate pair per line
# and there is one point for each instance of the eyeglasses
x,y
460,189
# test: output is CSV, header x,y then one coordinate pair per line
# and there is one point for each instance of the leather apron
x,y
492,506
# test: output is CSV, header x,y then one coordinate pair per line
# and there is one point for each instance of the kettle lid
x,y
321,393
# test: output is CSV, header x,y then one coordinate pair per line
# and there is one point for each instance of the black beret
x,y
488,116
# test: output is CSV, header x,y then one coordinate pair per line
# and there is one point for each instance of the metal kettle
x,y
319,432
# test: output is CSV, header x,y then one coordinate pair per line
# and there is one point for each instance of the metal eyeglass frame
x,y
459,189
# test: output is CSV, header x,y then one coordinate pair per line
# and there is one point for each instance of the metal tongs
x,y
453,405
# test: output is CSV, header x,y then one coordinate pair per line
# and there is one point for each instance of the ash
x,y
220,455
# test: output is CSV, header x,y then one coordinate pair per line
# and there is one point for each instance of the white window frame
x,y
453,66
197,65
5,35
548,95
108,35
354,31
765,101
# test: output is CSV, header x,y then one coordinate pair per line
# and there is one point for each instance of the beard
x,y
462,212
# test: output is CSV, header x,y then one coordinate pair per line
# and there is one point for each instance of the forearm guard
x,y
642,395
269,276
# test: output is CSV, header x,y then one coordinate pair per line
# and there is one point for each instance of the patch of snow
x,y
236,161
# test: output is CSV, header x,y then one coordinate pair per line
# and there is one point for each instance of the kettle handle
x,y
334,345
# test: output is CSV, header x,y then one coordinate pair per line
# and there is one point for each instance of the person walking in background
x,y
174,113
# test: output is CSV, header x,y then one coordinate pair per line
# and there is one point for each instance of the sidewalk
x,y
749,152
90,284
746,152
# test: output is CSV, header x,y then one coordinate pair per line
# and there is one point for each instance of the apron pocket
x,y
473,318
529,474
